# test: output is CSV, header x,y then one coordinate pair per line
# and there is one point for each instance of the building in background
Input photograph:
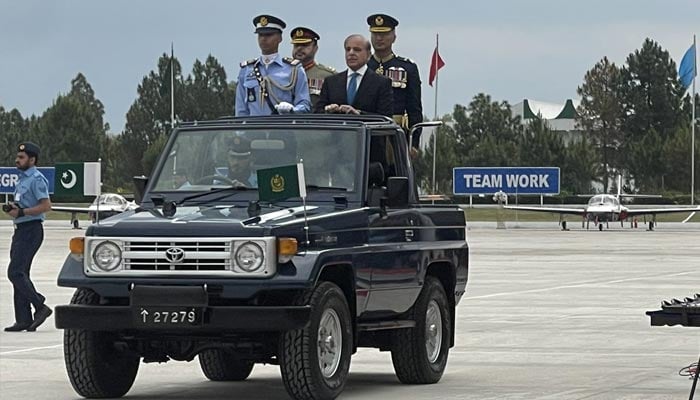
x,y
559,117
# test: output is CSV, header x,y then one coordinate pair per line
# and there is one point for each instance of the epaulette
x,y
325,68
249,62
406,59
291,61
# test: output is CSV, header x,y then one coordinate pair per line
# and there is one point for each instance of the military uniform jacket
x,y
29,191
405,80
283,80
316,74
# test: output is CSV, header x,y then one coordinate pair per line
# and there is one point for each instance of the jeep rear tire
x,y
419,354
315,360
222,365
96,368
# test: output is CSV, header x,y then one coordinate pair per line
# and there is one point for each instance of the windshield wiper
x,y
214,191
333,188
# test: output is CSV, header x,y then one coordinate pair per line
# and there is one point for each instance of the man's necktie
x,y
352,87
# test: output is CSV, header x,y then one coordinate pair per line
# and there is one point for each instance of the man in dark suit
x,y
357,90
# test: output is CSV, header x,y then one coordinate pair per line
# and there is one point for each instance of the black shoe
x,y
39,318
17,327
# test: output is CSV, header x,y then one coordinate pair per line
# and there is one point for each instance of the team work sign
x,y
511,180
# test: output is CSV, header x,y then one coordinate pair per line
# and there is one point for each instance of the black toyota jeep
x,y
208,268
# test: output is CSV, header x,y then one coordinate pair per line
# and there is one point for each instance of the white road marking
x,y
591,283
689,217
4,353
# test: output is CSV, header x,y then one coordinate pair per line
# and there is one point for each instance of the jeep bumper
x,y
218,318
178,308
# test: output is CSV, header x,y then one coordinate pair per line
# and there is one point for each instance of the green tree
x,y
148,117
652,91
581,168
540,146
150,156
112,177
652,95
601,114
648,157
72,128
486,133
13,129
446,159
208,95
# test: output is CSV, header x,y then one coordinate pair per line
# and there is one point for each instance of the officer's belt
x,y
401,120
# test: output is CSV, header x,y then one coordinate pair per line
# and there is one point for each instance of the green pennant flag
x,y
281,183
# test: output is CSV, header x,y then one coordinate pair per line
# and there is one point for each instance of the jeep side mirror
x,y
397,192
140,183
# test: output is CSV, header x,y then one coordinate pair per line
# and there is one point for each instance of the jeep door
x,y
395,255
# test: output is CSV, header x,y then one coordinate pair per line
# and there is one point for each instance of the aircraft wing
x,y
71,209
555,210
668,210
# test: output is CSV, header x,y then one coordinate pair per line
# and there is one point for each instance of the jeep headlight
x,y
107,256
249,256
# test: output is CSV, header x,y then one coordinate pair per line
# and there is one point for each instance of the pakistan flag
x,y
77,179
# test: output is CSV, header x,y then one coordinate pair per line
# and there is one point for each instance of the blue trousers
x,y
25,243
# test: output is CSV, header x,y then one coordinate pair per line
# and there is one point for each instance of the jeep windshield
x,y
200,160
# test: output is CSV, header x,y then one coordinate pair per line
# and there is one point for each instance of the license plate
x,y
164,317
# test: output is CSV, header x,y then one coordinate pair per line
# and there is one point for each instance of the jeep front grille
x,y
177,256
197,255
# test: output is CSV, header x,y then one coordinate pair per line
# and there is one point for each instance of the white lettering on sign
x,y
528,181
9,180
483,181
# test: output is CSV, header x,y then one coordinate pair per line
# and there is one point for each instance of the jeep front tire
x,y
96,367
315,360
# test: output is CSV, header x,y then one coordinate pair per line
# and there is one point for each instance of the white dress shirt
x,y
360,71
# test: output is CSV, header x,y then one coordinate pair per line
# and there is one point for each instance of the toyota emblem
x,y
175,254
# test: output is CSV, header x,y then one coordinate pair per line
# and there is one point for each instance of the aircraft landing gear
x,y
651,225
563,226
600,226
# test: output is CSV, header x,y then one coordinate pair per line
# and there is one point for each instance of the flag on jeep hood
x,y
281,183
77,179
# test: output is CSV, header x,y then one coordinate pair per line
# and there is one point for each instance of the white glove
x,y
284,108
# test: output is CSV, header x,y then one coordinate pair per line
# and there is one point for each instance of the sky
x,y
509,49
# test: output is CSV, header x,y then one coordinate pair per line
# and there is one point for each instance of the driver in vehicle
x,y
240,163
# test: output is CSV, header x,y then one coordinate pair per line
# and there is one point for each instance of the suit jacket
x,y
374,95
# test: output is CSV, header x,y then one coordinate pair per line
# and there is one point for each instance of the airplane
x,y
104,206
605,208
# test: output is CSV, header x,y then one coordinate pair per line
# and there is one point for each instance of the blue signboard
x,y
511,180
9,176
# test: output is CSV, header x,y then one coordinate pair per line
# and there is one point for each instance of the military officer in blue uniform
x,y
31,201
271,84
305,42
405,79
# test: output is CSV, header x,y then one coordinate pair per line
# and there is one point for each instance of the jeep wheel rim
x,y
433,331
330,339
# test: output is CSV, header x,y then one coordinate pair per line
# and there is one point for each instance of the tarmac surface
x,y
547,315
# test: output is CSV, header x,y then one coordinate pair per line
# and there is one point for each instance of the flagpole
x,y
437,73
692,132
172,86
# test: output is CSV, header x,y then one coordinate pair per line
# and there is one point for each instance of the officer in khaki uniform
x,y
305,42
405,79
